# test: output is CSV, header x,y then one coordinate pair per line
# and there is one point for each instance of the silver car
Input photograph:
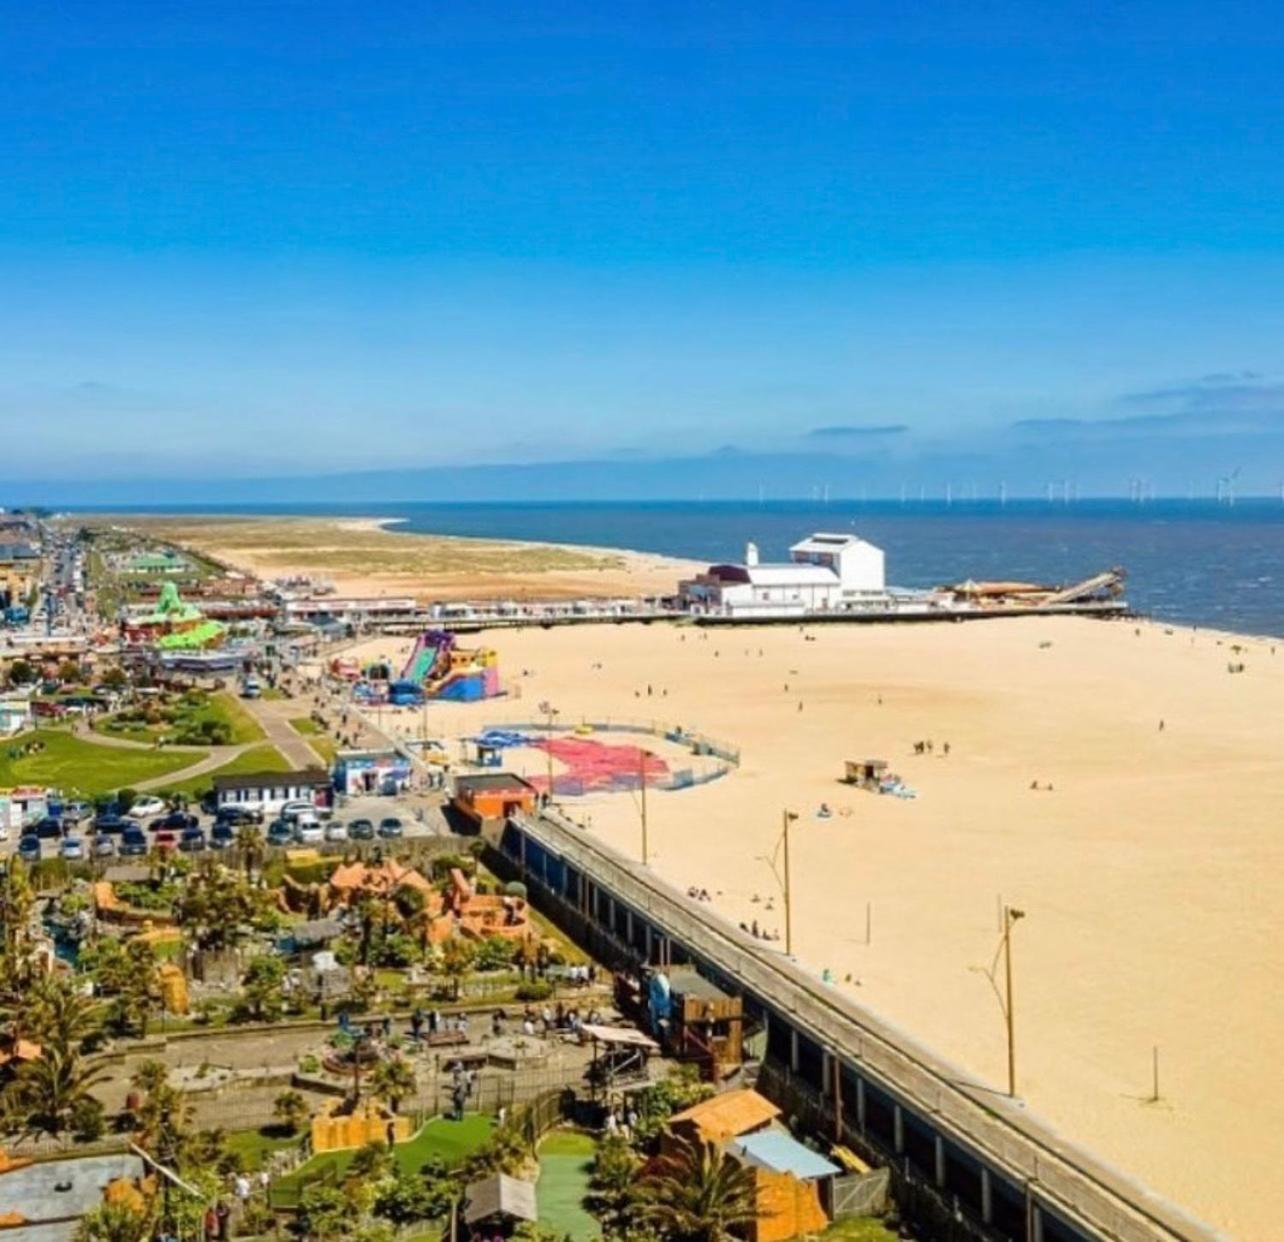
x,y
335,830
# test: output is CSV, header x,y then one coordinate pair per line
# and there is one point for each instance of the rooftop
x,y
782,1153
729,1115
315,777
490,782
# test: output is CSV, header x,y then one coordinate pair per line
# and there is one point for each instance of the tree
x,y
114,678
114,1222
291,1109
392,1080
327,1212
457,957
494,953
21,673
372,1162
48,1091
409,1198
613,1184
699,1194
130,976
68,671
263,990
60,1014
215,908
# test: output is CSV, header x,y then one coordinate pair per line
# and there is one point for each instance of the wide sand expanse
x,y
1148,863
368,557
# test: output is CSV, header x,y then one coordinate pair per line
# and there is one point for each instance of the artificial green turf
x,y
254,1145
265,758
441,1139
565,1165
80,767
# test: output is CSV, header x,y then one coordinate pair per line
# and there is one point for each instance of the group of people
x,y
928,747
759,933
698,894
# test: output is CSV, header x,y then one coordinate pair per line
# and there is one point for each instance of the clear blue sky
x,y
935,239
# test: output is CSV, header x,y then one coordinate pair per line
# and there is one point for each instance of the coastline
x,y
369,556
1144,856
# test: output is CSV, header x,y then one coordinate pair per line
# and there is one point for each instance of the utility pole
x,y
642,758
789,817
1010,916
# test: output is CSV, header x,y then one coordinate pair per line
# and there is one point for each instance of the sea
x,y
1194,562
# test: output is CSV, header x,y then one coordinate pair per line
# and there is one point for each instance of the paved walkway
x,y
216,758
274,716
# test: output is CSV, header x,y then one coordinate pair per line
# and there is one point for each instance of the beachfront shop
x,y
371,772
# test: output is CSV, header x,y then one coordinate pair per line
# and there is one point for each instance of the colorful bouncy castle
x,y
440,669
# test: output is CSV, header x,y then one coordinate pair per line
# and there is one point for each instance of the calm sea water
x,y
1187,561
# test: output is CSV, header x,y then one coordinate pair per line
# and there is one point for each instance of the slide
x,y
430,647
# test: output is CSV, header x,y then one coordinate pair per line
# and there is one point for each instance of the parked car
x,y
146,807
104,847
165,840
48,829
280,833
222,836
72,849
308,832
133,842
391,827
292,812
109,825
192,841
336,830
175,821
238,816
29,848
76,811
361,830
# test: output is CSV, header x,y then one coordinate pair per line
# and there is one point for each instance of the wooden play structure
x,y
697,1020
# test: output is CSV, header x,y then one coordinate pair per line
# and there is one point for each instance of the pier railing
x,y
1025,1149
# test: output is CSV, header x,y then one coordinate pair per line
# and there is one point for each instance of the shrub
x,y
538,990
87,1119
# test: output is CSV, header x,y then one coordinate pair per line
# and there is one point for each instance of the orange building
x,y
494,795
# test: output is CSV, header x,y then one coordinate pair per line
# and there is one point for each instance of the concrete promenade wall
x,y
1033,1184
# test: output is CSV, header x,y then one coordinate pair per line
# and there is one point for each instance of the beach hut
x,y
865,773
791,1184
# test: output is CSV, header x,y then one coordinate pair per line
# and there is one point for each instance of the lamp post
x,y
1010,916
789,817
550,712
643,756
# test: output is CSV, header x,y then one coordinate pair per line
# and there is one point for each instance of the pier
x,y
966,1158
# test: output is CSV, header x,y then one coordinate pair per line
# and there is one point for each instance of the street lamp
x,y
789,817
1010,916
550,712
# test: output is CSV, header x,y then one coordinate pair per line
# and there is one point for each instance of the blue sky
x,y
924,242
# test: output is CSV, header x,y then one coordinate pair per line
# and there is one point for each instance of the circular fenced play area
x,y
589,763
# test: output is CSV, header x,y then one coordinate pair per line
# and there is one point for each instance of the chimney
x,y
751,554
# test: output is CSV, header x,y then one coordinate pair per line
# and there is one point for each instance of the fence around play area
x,y
567,785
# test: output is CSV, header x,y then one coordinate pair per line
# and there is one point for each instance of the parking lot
x,y
81,835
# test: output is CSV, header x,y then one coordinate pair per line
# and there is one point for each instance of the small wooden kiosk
x,y
865,773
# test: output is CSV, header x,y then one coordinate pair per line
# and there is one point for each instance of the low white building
x,y
270,791
825,573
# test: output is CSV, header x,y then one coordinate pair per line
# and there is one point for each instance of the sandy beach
x,y
371,556
1147,861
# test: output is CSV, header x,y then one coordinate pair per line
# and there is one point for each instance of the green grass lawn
x,y
77,766
442,1139
855,1229
263,758
305,725
565,1161
254,1145
181,716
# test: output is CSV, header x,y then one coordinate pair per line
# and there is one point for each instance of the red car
x,y
165,841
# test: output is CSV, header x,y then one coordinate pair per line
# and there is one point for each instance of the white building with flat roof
x,y
825,573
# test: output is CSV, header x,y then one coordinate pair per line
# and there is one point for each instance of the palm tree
x,y
113,1222
698,1193
457,956
291,1109
392,1080
48,1090
59,1014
